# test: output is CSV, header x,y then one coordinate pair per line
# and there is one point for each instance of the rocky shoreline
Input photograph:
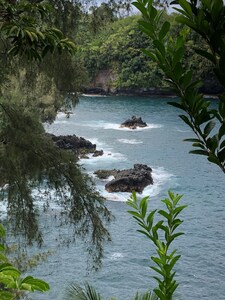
x,y
128,180
79,145
154,92
143,92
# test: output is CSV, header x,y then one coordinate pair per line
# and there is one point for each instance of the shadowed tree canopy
x,y
30,164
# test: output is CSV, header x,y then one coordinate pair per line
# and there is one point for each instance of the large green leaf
x,y
178,54
4,295
164,30
33,284
206,54
8,269
140,7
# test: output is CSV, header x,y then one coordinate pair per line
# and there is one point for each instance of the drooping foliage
x,y
31,166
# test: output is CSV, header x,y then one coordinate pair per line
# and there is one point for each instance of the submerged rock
x,y
134,122
104,174
128,180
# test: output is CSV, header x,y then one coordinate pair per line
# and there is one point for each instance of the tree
x,y
206,18
28,158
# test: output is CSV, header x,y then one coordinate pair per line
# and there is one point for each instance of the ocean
x,y
125,269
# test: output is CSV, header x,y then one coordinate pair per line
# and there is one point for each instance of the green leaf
x,y
221,131
206,54
221,155
207,3
200,152
157,261
175,235
178,209
178,54
186,6
185,21
193,141
212,158
4,295
178,71
165,214
209,127
2,230
135,214
175,104
150,219
145,233
186,79
186,120
152,12
159,45
33,284
150,54
164,30
157,270
8,269
212,143
173,261
143,206
141,8
168,203
160,294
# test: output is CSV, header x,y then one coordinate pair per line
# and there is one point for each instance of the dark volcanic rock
x,y
98,153
73,142
134,122
129,180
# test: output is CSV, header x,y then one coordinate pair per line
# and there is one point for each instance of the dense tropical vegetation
x,y
114,53
51,51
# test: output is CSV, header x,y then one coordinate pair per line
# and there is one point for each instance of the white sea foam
x,y
107,156
160,178
3,209
92,95
60,115
116,126
131,141
180,130
96,142
116,256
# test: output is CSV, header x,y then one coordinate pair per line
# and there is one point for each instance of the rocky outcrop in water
x,y
77,144
134,122
128,180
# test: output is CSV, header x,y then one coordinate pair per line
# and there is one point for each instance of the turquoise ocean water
x,y
201,270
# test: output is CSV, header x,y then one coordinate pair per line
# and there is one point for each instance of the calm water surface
x,y
201,270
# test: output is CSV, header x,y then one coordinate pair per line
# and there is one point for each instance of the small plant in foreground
x,y
165,259
11,284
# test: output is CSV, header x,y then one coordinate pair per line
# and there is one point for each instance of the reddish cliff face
x,y
104,80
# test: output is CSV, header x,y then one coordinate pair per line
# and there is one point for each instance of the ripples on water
x,y
201,270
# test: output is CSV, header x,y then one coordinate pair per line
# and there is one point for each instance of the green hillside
x,y
114,62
